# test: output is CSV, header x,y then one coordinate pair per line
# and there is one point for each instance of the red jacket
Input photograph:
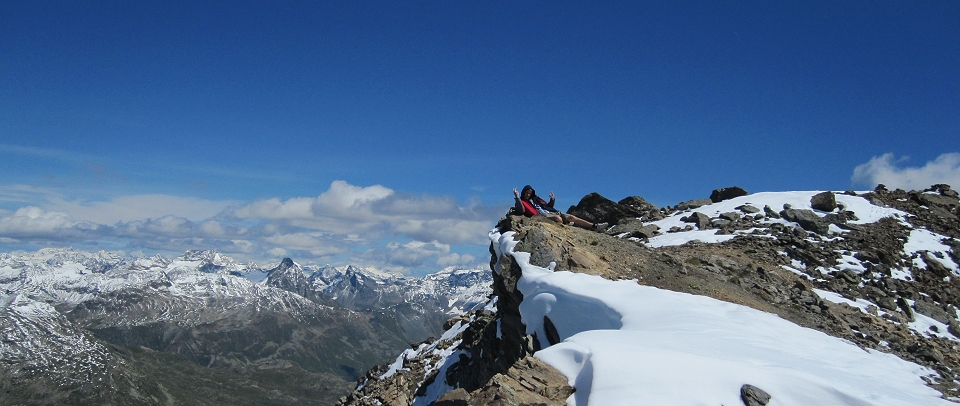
x,y
527,208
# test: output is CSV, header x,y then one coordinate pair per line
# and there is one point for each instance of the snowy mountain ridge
x,y
88,317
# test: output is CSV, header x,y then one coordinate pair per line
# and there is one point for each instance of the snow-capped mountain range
x,y
66,311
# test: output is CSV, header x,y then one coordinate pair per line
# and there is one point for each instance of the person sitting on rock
x,y
529,204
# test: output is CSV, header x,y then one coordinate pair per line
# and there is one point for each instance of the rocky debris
x,y
824,201
753,396
727,193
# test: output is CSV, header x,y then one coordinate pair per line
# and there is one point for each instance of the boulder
x,y
727,193
770,213
748,209
598,209
825,201
650,211
754,396
807,219
701,220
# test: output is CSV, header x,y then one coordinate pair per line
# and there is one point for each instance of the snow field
x,y
627,344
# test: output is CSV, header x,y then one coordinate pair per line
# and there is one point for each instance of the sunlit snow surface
x,y
627,344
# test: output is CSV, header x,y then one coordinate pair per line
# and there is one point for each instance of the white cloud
x,y
344,224
883,169
33,222
376,211
139,207
455,259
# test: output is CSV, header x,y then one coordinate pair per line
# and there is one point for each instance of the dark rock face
x,y
825,201
599,209
754,396
727,193
289,276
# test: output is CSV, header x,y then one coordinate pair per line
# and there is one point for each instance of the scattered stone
x,y
727,193
746,208
754,396
825,201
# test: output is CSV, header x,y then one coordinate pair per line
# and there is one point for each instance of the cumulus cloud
x,y
35,223
344,224
885,170
377,211
138,207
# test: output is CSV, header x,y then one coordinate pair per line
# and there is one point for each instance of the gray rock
x,y
701,220
746,208
931,200
770,213
754,396
807,219
693,204
634,228
935,266
825,201
727,193
907,310
933,311
887,303
732,216
720,223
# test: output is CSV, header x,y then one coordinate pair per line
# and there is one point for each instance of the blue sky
x,y
390,134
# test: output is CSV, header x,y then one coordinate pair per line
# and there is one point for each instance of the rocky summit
x,y
875,270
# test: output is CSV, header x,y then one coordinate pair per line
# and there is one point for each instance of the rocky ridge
x,y
820,267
